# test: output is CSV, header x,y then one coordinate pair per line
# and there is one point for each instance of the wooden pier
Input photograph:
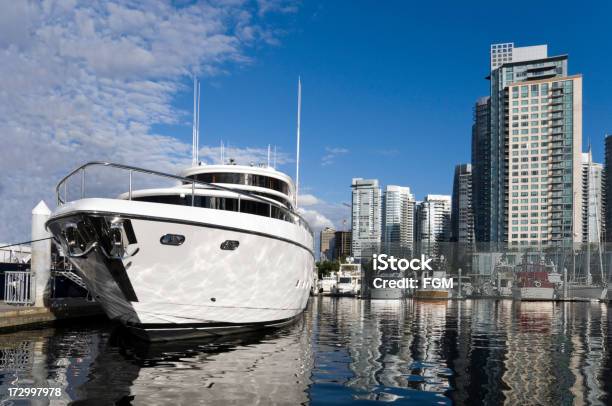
x,y
12,317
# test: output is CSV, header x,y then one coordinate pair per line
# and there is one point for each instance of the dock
x,y
12,317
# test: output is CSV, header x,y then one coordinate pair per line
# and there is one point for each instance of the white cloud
x,y
308,200
276,6
324,214
330,155
85,81
316,220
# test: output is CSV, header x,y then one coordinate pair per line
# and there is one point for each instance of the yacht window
x,y
243,179
166,199
234,178
269,183
221,203
344,280
258,208
273,197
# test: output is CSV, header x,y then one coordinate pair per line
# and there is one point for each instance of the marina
x,y
342,350
440,234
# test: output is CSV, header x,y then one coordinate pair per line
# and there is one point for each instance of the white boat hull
x,y
586,293
533,293
196,288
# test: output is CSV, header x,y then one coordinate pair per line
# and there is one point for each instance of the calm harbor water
x,y
342,351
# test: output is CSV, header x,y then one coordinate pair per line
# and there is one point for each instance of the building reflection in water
x,y
473,352
405,352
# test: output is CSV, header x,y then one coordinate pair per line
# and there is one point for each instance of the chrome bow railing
x,y
63,184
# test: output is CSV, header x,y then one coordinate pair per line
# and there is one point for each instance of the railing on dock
x,y
282,212
18,287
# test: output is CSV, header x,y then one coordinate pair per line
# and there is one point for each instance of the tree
x,y
324,268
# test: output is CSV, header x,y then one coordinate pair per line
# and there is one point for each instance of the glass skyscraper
x,y
481,170
366,218
536,145
398,221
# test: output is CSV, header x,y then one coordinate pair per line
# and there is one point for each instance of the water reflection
x,y
344,350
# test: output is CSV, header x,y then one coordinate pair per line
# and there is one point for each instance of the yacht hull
x,y
202,286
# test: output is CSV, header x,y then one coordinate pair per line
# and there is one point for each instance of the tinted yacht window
x,y
222,203
243,179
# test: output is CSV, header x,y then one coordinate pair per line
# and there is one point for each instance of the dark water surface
x,y
342,351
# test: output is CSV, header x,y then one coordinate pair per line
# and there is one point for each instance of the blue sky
x,y
388,87
394,84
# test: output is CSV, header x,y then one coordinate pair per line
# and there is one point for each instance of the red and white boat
x,y
535,281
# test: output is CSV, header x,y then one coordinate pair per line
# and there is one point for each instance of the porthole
x,y
229,245
172,239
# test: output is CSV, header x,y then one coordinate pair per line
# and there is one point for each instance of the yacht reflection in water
x,y
267,367
342,350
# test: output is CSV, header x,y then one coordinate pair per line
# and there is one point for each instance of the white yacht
x,y
221,251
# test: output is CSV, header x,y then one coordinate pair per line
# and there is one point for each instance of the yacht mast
x,y
193,130
198,129
195,141
297,160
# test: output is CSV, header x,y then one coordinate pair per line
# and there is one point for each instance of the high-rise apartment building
x,y
536,146
481,169
506,53
592,199
462,215
433,226
366,217
608,189
342,247
327,244
398,221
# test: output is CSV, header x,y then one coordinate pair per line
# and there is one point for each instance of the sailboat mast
x,y
297,160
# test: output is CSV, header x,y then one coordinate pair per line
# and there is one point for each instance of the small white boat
x,y
348,282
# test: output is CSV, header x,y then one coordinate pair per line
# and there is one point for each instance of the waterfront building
x,y
342,245
327,244
592,199
433,225
608,188
462,217
366,216
536,146
481,169
398,221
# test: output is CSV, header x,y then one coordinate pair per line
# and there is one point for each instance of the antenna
x,y
297,159
194,158
195,142
197,152
268,155
275,157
